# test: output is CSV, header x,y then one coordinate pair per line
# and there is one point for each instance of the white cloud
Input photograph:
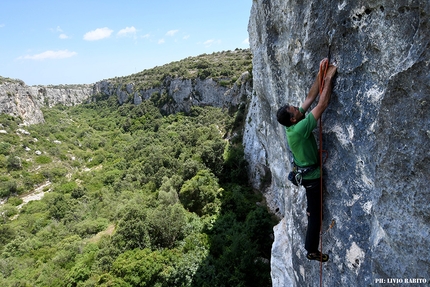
x,y
211,42
246,41
59,30
98,34
127,31
172,32
186,37
2,25
61,54
146,36
161,41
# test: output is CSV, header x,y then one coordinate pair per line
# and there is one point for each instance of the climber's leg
x,y
314,215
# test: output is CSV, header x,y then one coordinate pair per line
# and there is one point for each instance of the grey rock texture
x,y
176,95
181,94
64,95
376,130
24,101
16,100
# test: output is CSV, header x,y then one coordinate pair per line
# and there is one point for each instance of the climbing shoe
x,y
317,256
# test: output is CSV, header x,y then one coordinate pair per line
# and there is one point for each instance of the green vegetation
x,y
224,67
9,80
132,198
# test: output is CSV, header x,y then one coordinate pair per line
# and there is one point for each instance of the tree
x,y
201,194
168,192
166,225
58,205
212,155
7,233
132,230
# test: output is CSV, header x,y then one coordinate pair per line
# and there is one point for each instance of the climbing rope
x,y
323,69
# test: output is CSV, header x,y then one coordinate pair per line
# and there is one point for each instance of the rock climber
x,y
304,148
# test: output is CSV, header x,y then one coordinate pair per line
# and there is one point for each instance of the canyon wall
x,y
173,95
180,94
376,131
20,100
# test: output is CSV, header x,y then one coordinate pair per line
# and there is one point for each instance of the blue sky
x,y
81,42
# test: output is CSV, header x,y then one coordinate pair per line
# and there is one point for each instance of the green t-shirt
x,y
303,145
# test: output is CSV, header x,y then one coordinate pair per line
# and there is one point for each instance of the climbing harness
x,y
298,172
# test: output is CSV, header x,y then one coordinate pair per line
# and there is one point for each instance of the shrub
x,y
36,178
8,210
90,226
14,201
140,267
8,187
54,173
7,233
4,148
43,159
14,163
3,161
58,205
68,187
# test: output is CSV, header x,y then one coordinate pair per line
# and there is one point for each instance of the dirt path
x,y
36,194
109,231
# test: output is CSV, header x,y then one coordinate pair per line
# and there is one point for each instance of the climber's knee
x,y
308,213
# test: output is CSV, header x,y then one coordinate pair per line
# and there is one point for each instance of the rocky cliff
x,y
377,132
180,94
18,99
174,94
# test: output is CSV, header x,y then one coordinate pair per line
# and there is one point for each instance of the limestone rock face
x,y
179,94
24,101
376,130
16,100
174,95
67,96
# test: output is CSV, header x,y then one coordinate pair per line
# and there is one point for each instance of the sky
x,y
52,42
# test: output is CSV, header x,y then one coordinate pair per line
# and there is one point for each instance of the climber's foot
x,y
317,256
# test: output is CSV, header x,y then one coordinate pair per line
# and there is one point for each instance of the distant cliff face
x,y
24,101
376,130
173,95
180,94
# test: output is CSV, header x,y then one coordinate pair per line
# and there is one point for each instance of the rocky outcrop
x,y
64,95
180,94
376,130
173,95
23,101
17,101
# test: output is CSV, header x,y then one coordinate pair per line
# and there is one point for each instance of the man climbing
x,y
304,148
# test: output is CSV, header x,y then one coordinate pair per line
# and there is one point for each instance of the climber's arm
x,y
313,92
326,93
312,95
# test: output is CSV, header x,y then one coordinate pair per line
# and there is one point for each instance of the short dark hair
x,y
283,116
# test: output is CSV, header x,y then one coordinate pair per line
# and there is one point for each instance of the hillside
x,y
219,79
110,191
224,67
129,197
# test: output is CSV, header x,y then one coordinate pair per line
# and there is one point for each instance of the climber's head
x,y
289,115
